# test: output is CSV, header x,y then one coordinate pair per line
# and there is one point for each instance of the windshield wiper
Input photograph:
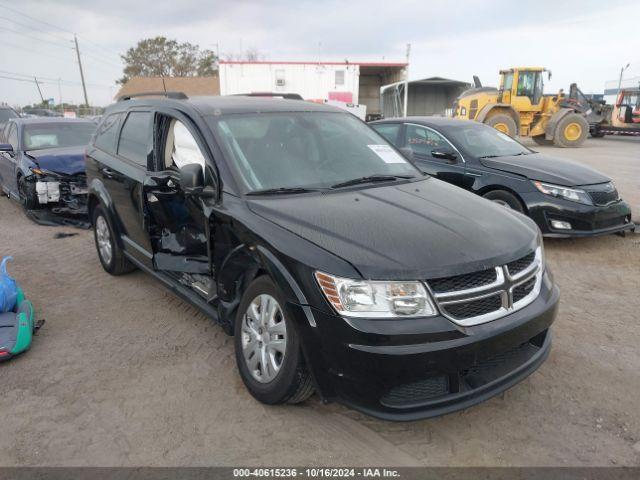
x,y
371,179
491,156
283,191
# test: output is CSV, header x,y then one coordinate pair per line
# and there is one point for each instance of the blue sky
x,y
582,41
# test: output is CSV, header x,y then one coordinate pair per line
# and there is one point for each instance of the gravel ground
x,y
124,373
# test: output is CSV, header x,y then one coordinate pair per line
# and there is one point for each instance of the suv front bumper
x,y
418,368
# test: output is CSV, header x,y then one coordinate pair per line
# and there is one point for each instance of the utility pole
x,y
39,91
84,87
406,82
620,81
60,96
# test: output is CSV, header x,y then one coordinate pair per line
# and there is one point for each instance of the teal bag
x,y
8,288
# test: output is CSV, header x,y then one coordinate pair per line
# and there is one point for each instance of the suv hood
x,y
65,160
415,230
547,169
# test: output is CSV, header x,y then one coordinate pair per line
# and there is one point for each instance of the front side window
x,y
423,141
508,82
482,141
181,148
389,131
135,138
54,135
339,77
306,149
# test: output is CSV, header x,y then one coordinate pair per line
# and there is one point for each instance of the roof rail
x,y
173,95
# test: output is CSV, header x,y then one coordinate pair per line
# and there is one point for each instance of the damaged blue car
x,y
42,164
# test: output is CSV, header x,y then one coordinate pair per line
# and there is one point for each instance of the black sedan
x,y
564,198
42,163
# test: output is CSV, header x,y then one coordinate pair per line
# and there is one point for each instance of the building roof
x,y
265,62
188,85
431,81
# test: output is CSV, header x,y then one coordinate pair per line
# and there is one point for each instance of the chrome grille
x,y
478,297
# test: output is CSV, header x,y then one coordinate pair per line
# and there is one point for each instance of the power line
x,y
24,25
52,80
35,19
36,51
3,29
53,26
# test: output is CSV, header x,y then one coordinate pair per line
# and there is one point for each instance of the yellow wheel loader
x,y
519,107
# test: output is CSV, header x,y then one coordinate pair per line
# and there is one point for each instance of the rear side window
x,y
135,138
388,131
107,133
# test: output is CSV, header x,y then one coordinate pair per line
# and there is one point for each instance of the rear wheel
x,y
506,199
571,131
267,347
503,123
110,254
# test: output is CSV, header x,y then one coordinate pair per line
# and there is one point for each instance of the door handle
x,y
107,172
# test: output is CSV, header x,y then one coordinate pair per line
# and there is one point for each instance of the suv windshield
x,y
55,135
307,150
486,142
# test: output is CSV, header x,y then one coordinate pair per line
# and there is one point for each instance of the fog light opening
x,y
560,225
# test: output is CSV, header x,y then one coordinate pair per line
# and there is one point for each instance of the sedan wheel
x,y
264,338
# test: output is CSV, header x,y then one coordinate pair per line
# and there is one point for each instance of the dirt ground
x,y
124,373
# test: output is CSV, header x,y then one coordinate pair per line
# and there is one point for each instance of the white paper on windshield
x,y
387,154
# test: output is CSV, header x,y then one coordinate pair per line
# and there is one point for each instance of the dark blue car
x,y
42,163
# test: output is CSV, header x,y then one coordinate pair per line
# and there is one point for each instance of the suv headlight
x,y
376,299
558,191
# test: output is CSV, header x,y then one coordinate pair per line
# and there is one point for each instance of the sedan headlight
x,y
558,191
376,299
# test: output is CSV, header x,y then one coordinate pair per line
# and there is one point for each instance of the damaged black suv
x,y
337,265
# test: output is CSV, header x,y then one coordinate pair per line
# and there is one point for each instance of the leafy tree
x,y
161,57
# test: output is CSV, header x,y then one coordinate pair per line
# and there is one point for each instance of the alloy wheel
x,y
103,237
264,338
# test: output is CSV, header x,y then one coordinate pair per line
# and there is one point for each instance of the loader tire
x,y
503,123
571,131
542,140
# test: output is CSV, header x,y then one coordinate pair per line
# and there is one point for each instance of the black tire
x,y
118,264
596,134
27,194
292,383
542,140
505,199
504,123
569,121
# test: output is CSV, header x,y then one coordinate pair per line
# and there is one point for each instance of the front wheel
x,y
267,347
571,131
505,199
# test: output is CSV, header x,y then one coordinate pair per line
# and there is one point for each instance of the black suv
x,y
338,265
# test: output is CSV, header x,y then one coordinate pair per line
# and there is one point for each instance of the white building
x,y
349,82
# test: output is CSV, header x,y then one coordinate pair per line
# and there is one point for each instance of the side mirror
x,y
408,153
6,147
445,154
192,181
